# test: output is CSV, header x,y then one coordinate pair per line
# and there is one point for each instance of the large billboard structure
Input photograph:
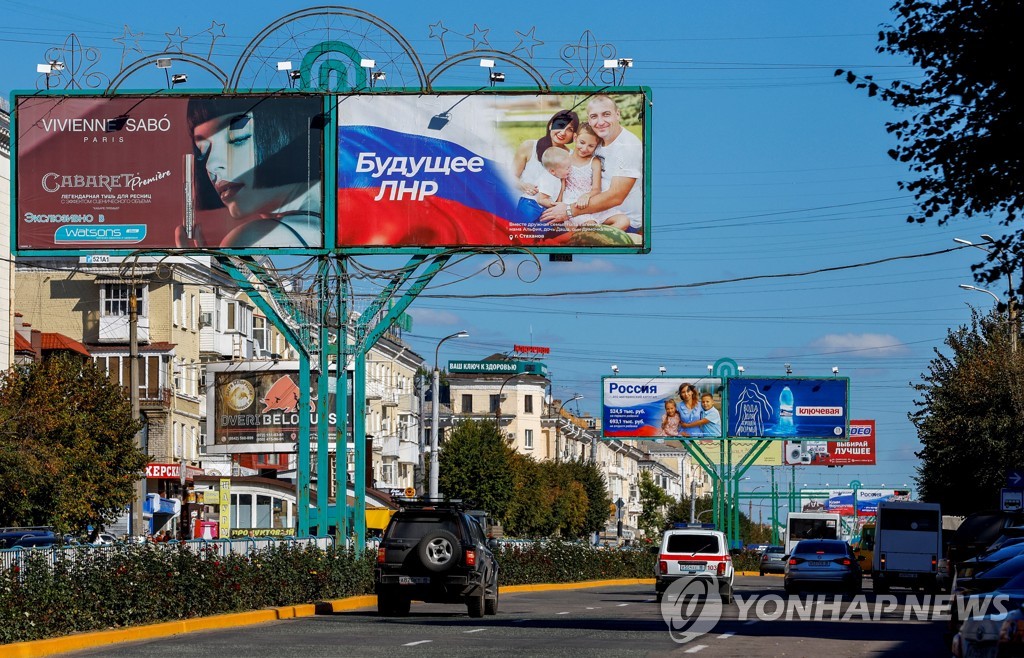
x,y
134,172
788,408
560,172
669,407
858,450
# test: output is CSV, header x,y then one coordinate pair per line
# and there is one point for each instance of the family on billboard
x,y
667,407
471,171
241,171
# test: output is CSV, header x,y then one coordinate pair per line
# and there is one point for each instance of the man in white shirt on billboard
x,y
623,156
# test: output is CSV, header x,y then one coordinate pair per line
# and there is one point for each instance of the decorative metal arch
x,y
138,65
497,55
321,12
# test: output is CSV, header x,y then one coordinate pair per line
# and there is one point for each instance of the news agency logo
x,y
691,607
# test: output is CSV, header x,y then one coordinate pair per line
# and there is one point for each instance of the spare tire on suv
x,y
435,552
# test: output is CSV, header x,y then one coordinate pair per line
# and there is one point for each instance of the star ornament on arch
x,y
479,37
175,41
527,42
129,41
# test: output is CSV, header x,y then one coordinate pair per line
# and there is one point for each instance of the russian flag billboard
x,y
661,407
555,172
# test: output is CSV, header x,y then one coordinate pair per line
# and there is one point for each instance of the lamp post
x,y
558,417
1011,305
435,408
497,407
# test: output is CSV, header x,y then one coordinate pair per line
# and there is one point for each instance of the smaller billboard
x,y
498,368
771,456
652,407
840,501
788,408
859,450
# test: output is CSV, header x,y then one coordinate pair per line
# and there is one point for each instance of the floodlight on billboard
x,y
661,407
127,172
496,171
788,408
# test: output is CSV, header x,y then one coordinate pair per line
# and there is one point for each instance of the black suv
x,y
435,552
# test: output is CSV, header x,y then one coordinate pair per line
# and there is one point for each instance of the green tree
x,y
598,499
653,501
964,111
970,417
67,452
476,464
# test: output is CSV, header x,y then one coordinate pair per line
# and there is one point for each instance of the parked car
x,y
1013,593
44,541
773,560
435,552
692,550
977,532
819,563
10,536
987,560
990,579
1000,634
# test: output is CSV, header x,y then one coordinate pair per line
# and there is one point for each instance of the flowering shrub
x,y
131,585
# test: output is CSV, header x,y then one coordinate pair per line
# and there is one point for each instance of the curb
x,y
92,639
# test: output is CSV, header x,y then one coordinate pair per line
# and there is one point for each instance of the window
x,y
176,292
387,473
232,317
528,404
467,404
528,439
260,336
263,512
241,510
194,317
495,404
115,299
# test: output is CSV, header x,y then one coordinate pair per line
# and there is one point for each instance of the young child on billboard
x,y
670,423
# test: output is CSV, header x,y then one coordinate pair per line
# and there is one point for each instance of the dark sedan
x,y
773,560
819,563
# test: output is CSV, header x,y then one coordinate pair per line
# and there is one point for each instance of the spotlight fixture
x,y
626,63
497,77
43,68
284,66
615,369
789,369
835,370
163,63
741,369
711,368
611,63
56,65
295,75
662,369
367,63
378,75
179,78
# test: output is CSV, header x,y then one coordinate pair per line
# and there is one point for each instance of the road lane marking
x,y
412,644
725,636
697,648
562,613
623,605
476,630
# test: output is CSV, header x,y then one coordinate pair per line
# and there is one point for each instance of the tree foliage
x,y
970,417
67,452
476,464
964,113
653,502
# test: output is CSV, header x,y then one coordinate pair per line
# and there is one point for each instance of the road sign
x,y
1015,479
1011,500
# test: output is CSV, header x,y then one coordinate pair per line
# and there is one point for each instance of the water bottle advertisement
x,y
652,407
788,408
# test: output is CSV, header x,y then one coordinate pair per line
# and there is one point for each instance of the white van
x,y
908,545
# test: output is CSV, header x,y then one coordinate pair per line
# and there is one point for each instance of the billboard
x,y
652,407
258,411
555,172
105,173
788,407
840,501
859,450
771,456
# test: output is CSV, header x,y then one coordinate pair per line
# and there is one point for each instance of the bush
x,y
88,589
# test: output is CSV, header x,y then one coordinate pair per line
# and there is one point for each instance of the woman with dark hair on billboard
x,y
261,161
527,167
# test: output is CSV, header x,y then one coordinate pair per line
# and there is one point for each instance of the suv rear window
x,y
414,527
693,544
838,547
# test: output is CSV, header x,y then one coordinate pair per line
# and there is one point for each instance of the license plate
x,y
692,567
907,575
413,580
818,563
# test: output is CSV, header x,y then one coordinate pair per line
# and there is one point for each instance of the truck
x,y
811,525
908,546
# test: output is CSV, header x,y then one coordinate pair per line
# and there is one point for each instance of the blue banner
x,y
788,408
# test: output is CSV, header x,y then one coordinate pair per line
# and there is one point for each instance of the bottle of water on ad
x,y
786,405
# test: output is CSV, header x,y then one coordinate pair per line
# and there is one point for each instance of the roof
x,y
21,344
60,342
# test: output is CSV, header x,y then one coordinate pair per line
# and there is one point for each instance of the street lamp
x,y
558,417
1011,306
497,407
435,408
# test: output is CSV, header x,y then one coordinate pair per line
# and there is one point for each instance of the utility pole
x,y
137,522
693,499
419,479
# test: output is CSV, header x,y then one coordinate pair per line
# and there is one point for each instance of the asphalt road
x,y
611,621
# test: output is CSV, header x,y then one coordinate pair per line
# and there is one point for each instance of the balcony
x,y
114,329
153,399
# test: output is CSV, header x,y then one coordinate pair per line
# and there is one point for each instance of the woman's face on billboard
x,y
227,148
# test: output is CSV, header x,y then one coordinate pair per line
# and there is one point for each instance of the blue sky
x,y
763,164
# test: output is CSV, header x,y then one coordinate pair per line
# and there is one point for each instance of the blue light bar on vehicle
x,y
702,526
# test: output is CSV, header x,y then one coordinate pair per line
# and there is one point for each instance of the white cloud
x,y
869,345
